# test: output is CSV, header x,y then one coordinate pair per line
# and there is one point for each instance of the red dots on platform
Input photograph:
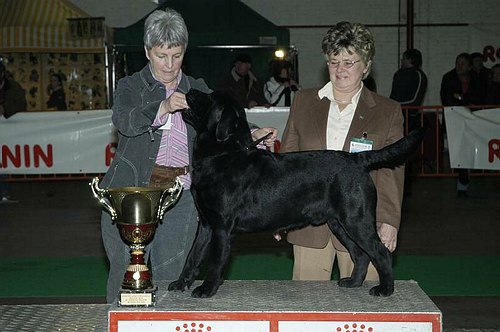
x,y
193,327
355,328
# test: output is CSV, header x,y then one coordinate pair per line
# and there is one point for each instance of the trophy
x,y
137,211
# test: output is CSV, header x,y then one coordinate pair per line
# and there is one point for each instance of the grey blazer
x,y
136,104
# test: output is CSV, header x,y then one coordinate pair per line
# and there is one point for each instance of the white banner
x,y
473,138
77,142
74,142
69,142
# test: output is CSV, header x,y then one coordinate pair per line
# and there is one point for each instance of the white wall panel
x,y
467,26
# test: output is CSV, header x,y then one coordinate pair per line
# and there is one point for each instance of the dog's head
x,y
217,119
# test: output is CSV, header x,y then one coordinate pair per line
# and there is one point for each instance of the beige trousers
x,y
317,264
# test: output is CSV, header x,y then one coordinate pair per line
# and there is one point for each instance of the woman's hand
x,y
388,235
261,132
177,101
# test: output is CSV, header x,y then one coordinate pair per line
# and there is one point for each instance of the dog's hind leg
x,y
358,256
373,250
193,260
382,260
358,274
218,257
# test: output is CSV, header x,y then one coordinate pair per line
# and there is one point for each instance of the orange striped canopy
x,y
42,26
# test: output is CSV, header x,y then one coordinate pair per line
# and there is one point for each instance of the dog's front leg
x,y
193,260
218,257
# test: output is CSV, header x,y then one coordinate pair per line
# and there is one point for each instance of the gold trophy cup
x,y
137,211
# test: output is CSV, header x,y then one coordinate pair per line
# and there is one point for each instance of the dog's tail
x,y
392,155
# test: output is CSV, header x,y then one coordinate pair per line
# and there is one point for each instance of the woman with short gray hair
x,y
154,147
165,28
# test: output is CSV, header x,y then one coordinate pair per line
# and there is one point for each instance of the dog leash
x,y
257,142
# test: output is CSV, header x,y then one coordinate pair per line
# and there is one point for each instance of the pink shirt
x,y
173,149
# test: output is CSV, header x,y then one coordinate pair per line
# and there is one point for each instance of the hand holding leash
x,y
265,135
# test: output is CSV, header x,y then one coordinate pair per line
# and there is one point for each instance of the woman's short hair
x,y
346,36
165,28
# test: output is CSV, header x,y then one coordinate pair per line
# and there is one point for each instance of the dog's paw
x,y
178,285
382,290
205,290
349,283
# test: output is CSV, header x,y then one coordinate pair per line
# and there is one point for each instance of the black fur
x,y
241,189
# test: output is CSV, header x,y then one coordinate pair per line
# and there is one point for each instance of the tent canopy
x,y
42,26
212,23
218,29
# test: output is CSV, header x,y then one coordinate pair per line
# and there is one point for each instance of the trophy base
x,y
137,298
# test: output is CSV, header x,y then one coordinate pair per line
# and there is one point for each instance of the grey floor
x,y
61,218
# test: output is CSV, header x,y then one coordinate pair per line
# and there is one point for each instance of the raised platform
x,y
243,306
283,306
54,317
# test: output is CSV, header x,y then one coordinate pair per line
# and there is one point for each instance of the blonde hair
x,y
349,37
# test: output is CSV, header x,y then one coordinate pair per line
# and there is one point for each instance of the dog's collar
x,y
257,142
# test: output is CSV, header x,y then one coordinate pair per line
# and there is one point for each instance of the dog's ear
x,y
227,125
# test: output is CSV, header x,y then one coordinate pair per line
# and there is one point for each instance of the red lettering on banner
x,y
38,154
15,157
110,153
490,53
27,155
493,149
27,162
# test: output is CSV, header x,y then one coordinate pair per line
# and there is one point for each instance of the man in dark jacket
x,y
460,88
243,85
409,84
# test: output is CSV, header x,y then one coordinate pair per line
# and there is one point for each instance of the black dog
x,y
239,188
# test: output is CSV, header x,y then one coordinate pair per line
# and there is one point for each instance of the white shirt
x,y
339,122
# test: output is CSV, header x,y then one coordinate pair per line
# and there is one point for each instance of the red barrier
x,y
432,158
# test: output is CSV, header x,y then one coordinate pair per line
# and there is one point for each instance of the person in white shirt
x,y
332,117
281,88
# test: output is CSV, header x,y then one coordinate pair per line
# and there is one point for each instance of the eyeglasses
x,y
345,63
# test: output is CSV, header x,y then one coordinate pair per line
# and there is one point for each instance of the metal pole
x,y
409,24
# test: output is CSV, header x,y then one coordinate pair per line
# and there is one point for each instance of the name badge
x,y
360,144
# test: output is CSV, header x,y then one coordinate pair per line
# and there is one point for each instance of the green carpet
x,y
86,276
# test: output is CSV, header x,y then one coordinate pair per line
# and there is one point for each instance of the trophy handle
x,y
100,195
169,197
